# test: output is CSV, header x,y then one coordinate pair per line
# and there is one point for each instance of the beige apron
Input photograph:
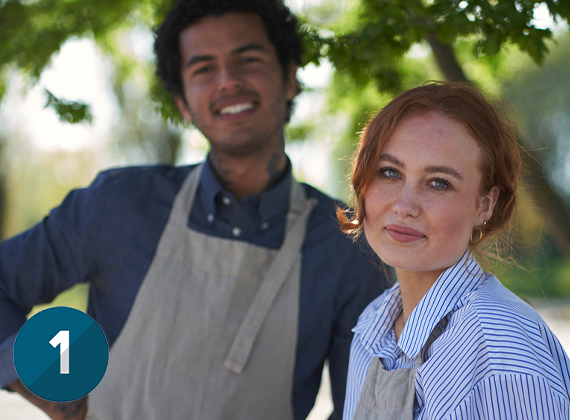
x,y
389,395
213,330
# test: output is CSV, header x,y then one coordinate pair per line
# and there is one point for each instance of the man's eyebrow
x,y
389,158
446,170
199,58
248,47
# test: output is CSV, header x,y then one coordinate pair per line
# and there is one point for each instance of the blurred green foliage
x,y
31,32
493,40
541,98
368,44
372,46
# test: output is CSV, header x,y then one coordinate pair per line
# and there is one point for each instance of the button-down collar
x,y
444,296
273,203
209,189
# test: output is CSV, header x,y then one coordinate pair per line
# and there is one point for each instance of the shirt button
x,y
265,226
226,200
211,218
236,231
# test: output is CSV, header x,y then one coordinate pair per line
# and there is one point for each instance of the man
x,y
247,284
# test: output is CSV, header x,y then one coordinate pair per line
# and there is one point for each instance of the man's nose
x,y
230,79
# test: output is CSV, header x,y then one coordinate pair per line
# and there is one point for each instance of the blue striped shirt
x,y
496,359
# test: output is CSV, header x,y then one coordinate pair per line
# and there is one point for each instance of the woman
x,y
435,178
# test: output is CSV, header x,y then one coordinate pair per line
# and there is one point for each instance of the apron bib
x,y
212,333
389,395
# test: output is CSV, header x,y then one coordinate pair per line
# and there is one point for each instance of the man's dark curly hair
x,y
280,24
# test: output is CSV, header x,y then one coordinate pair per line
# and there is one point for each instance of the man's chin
x,y
242,144
236,148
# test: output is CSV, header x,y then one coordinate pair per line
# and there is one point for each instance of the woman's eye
x,y
440,184
390,173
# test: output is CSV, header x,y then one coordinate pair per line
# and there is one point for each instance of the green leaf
x,y
69,111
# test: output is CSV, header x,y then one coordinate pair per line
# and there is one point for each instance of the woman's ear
x,y
487,205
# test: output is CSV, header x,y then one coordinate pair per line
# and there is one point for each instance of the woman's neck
x,y
413,287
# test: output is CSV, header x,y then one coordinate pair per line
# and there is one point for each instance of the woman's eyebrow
x,y
390,158
386,157
446,170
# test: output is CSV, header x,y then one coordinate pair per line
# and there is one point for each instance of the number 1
x,y
61,339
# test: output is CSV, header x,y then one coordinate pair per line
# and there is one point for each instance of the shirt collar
x,y
273,203
444,296
376,321
210,187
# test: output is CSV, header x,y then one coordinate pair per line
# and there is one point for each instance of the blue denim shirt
x,y
107,234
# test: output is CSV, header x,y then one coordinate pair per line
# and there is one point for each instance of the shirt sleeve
x,y
38,264
520,397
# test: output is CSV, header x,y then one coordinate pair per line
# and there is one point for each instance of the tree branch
x,y
446,60
552,206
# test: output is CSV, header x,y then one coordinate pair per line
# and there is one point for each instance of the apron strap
x,y
273,281
185,200
436,332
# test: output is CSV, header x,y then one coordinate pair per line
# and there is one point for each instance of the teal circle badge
x,y
61,354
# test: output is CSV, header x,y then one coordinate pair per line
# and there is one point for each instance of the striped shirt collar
x,y
444,296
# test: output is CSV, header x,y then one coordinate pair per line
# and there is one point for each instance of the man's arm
x,y
40,263
362,282
72,410
35,267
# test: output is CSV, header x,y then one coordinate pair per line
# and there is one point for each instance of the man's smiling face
x,y
235,90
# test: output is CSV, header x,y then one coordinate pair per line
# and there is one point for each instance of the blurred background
x,y
78,95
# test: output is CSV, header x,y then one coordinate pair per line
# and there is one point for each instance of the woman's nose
x,y
407,202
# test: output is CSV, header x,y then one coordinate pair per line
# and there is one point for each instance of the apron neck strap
x,y
184,201
436,332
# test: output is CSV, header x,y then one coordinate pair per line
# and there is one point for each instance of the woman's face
x,y
424,201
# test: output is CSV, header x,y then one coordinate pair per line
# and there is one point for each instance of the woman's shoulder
x,y
493,340
498,309
506,333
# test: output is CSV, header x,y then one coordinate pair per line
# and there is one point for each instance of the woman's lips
x,y
404,234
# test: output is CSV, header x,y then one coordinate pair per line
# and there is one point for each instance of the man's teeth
x,y
236,109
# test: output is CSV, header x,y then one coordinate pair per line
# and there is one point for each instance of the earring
x,y
480,234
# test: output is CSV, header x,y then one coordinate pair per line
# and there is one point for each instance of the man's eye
x,y
203,69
